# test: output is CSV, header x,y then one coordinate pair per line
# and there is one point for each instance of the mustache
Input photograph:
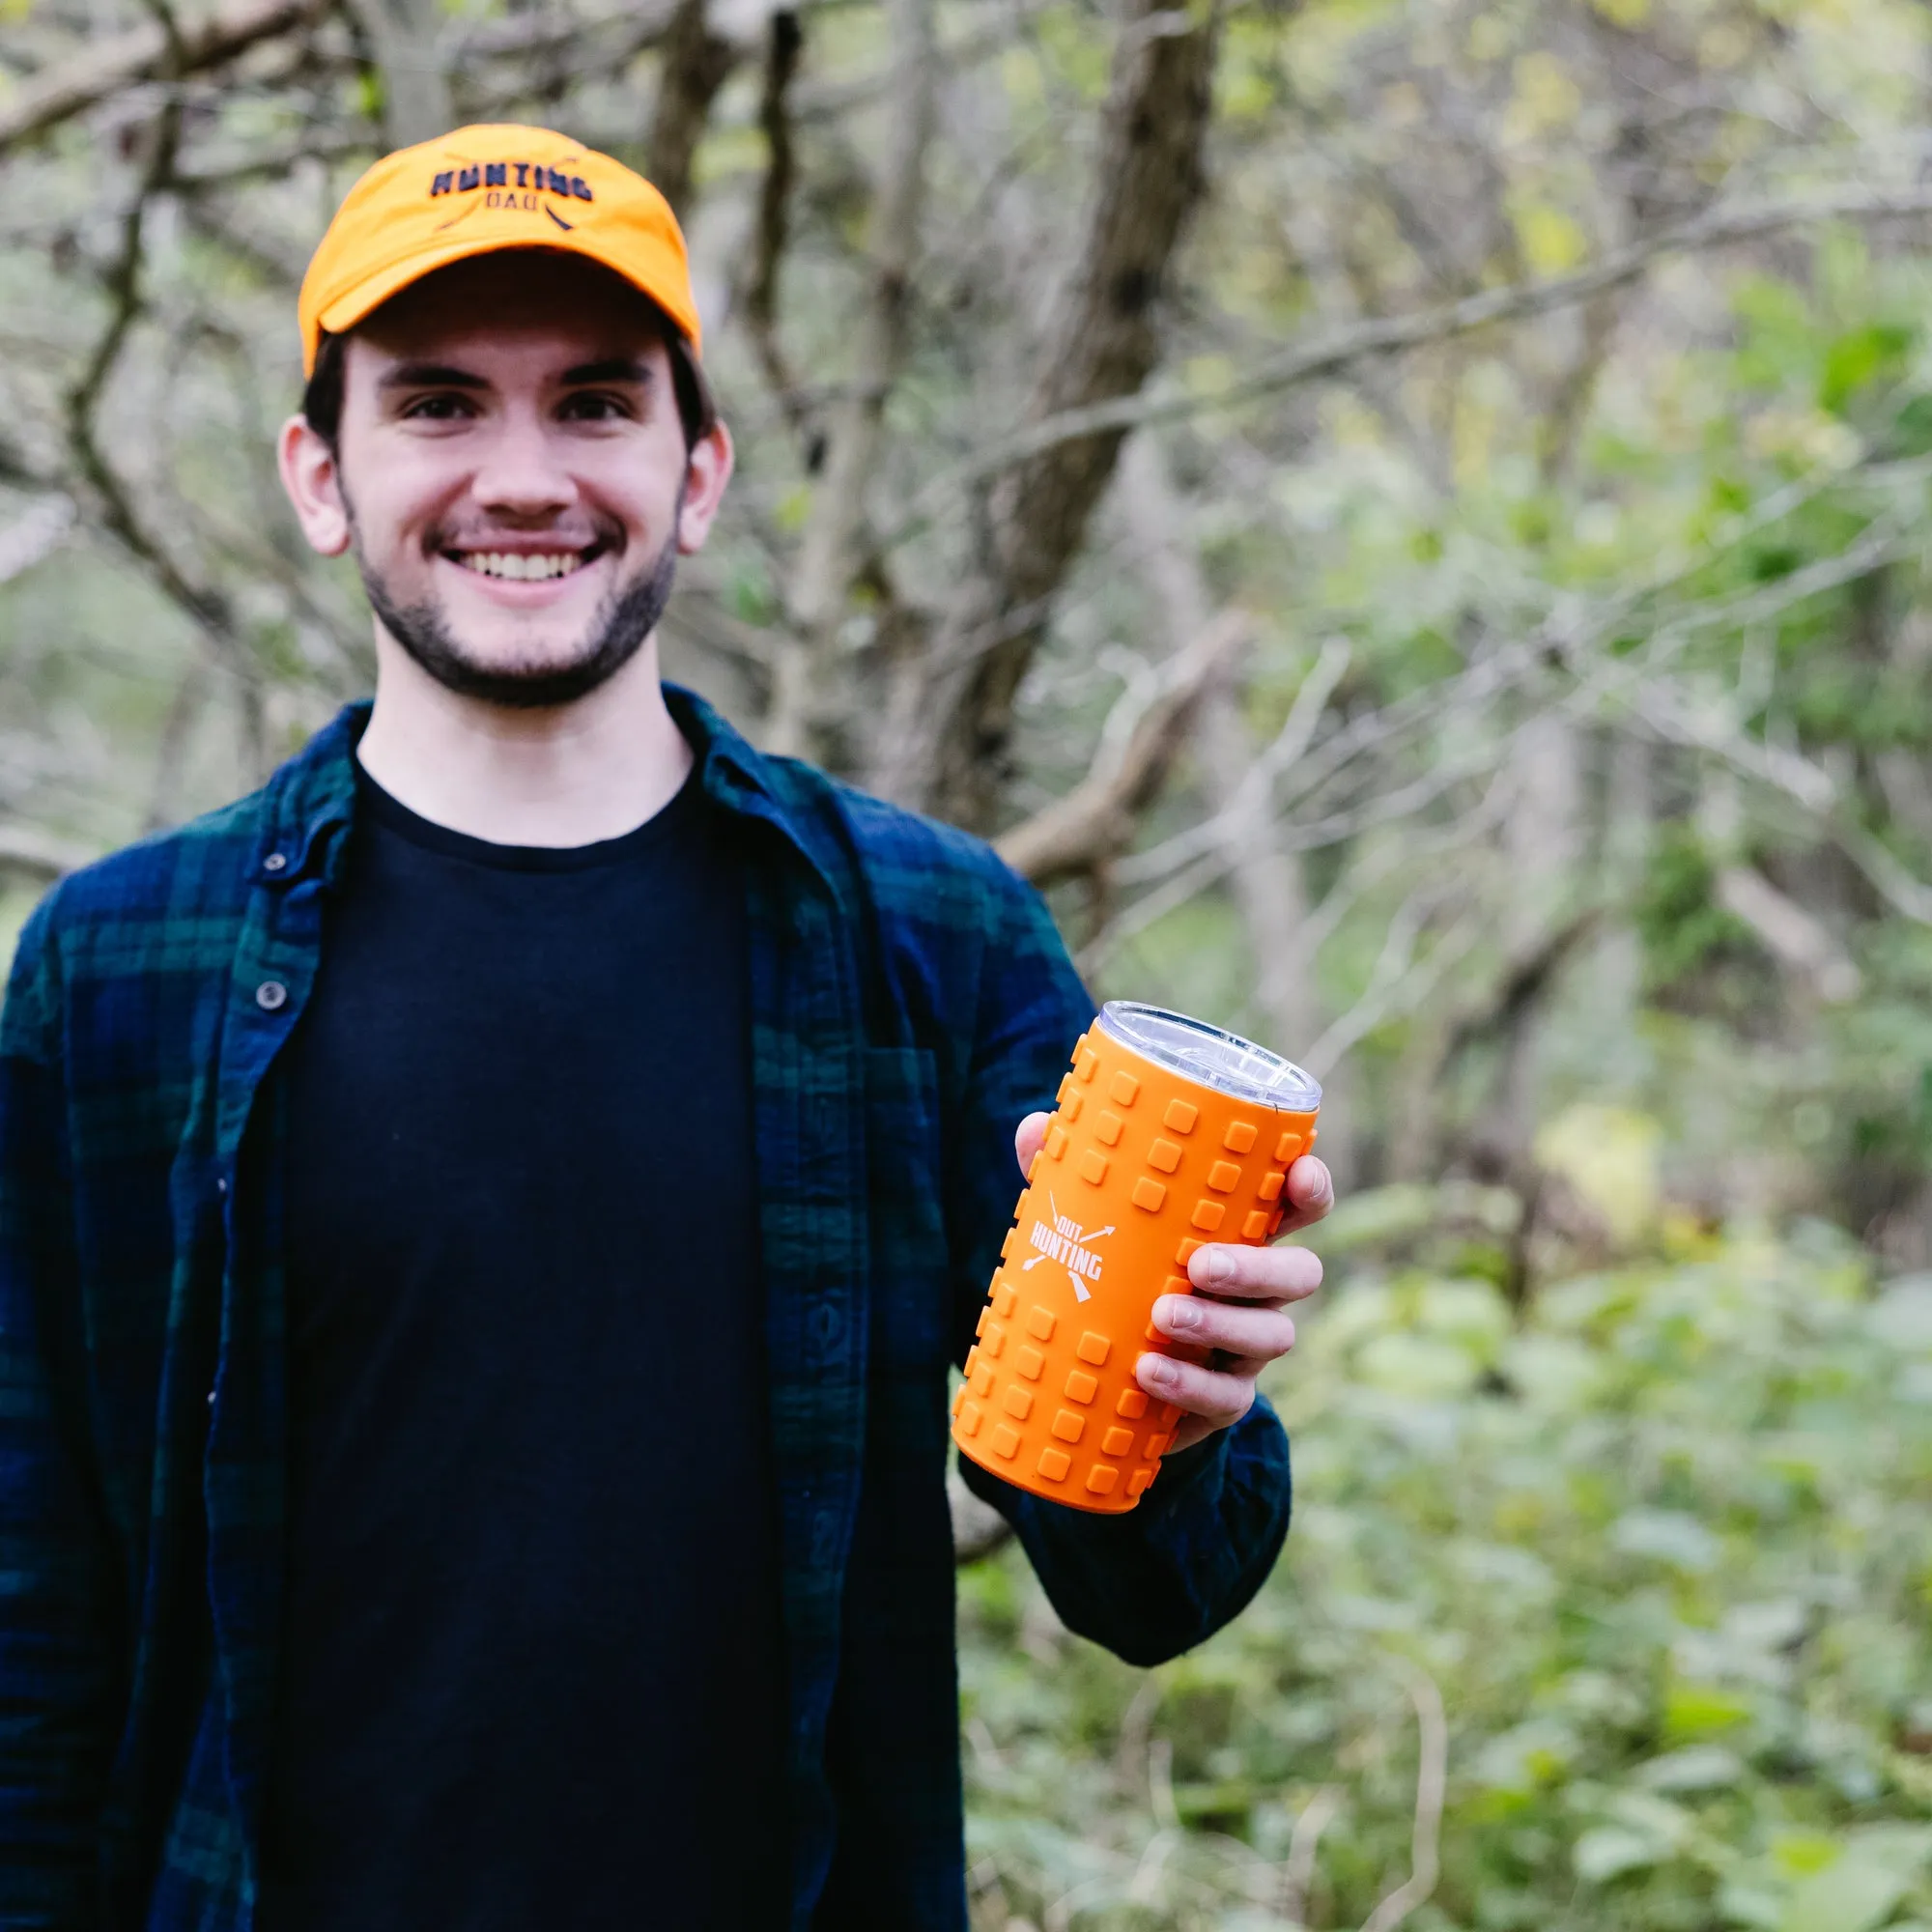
x,y
604,534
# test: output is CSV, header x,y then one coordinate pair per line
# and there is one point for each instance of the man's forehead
x,y
540,302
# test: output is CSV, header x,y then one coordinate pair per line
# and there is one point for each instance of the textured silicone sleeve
x,y
1141,1165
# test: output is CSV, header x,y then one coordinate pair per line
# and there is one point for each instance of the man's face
x,y
512,473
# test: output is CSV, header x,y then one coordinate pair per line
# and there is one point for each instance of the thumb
x,y
1027,1139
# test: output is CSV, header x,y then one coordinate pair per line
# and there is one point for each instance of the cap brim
x,y
361,301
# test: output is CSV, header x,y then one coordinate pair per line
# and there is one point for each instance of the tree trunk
x,y
696,62
403,41
952,720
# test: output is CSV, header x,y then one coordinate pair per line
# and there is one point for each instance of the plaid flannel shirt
x,y
911,1001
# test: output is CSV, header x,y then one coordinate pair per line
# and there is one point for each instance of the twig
x,y
946,736
831,546
1160,1783
787,43
1802,943
144,53
1150,908
1167,1823
978,1530
1135,1721
39,854
1098,817
1335,352
35,535
1432,1774
1396,984
1304,1843
206,606
1291,743
696,62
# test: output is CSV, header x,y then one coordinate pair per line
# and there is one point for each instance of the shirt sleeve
x,y
1159,1579
57,1720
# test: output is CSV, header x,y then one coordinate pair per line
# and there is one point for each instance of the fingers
x,y
1310,1193
1027,1138
1216,1396
1259,1333
1257,1274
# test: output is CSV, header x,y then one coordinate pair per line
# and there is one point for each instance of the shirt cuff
x,y
1183,1471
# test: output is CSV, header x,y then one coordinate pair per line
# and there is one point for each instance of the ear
x,y
707,470
310,477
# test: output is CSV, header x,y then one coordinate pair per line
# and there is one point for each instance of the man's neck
x,y
569,776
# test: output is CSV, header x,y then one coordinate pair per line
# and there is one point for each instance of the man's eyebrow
x,y
431,375
613,369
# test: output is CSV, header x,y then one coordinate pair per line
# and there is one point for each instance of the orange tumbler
x,y
1168,1133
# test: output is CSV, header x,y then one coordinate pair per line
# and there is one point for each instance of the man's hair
x,y
322,398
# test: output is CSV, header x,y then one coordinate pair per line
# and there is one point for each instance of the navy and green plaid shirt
x,y
911,1001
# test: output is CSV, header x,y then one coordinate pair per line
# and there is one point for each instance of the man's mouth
x,y
527,566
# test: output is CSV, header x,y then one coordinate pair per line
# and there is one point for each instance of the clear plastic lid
x,y
1222,1061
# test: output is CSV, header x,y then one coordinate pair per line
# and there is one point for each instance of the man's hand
x,y
1239,1307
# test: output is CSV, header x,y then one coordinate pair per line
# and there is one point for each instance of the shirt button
x,y
274,861
271,996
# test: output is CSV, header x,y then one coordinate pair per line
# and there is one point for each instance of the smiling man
x,y
485,1221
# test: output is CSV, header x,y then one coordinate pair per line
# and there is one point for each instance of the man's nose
x,y
522,472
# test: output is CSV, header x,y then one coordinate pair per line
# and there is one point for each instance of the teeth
x,y
522,566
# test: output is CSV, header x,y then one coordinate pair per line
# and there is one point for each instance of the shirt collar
x,y
311,798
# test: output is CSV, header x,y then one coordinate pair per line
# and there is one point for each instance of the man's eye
x,y
438,409
590,406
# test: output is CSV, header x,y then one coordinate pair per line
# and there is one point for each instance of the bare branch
x,y
1314,1818
1526,973
978,1530
696,63
142,54
1662,707
1399,982
208,607
1795,938
36,535
40,855
1250,801
1098,818
1180,888
948,731
403,37
1333,352
827,556
1431,1777
785,44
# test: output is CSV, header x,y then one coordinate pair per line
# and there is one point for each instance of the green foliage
x,y
1662,1548
1683,928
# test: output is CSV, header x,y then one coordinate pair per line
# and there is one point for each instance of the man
x,y
485,1221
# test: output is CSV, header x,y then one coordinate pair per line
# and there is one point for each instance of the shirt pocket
x,y
903,1159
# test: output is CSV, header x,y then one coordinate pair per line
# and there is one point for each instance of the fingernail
x,y
1180,1313
1159,1371
1218,1268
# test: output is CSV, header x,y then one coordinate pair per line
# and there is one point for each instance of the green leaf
x,y
1608,1851
1853,1895
1860,359
1695,1710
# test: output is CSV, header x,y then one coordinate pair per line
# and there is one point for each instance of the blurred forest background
x,y
1408,519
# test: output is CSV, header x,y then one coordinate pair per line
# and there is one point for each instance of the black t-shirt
x,y
532,1672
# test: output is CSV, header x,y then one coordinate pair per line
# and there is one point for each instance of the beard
x,y
616,634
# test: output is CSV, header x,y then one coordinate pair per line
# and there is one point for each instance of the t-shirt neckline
x,y
388,810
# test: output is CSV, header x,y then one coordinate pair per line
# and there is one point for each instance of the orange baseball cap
x,y
479,189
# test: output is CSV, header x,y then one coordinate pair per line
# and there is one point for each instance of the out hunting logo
x,y
533,181
1067,1244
